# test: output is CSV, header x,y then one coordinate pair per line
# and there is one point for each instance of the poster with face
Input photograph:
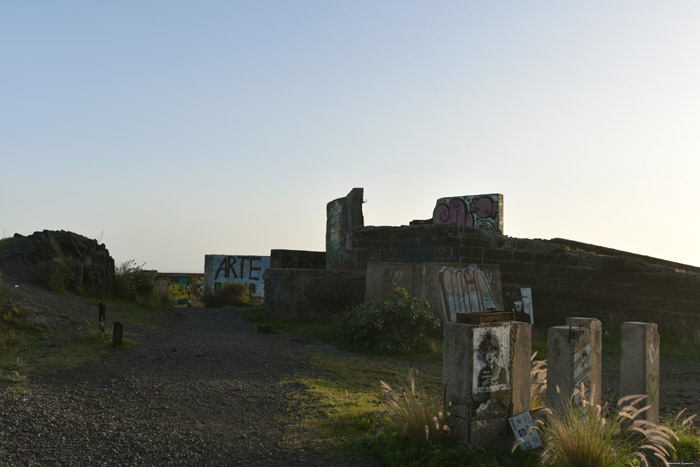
x,y
491,355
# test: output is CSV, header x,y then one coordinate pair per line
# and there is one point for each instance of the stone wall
x,y
567,278
294,293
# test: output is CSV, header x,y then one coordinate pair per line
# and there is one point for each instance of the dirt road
x,y
203,390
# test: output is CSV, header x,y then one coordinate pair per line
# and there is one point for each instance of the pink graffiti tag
x,y
465,290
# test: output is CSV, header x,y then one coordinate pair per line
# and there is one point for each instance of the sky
x,y
174,129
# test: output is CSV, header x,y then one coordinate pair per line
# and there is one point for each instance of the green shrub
x,y
135,284
132,282
231,294
395,325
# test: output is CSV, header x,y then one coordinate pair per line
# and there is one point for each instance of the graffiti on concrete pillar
x,y
491,356
582,368
485,211
465,289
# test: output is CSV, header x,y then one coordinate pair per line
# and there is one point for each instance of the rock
x,y
87,262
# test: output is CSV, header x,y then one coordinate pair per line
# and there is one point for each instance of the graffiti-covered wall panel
x,y
222,269
181,287
448,288
485,211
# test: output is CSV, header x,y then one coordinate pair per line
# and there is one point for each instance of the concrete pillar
x,y
596,330
568,363
639,365
486,378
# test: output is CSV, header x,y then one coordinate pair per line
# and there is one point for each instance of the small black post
x,y
101,318
117,331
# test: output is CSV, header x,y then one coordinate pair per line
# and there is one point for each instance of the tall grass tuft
x,y
586,434
418,417
687,443
538,382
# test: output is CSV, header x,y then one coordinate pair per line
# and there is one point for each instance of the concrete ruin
x,y
460,261
566,278
486,378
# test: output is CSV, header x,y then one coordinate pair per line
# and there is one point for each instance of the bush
x,y
135,284
396,325
132,282
231,294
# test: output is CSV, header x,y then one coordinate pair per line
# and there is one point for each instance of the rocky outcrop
x,y
87,264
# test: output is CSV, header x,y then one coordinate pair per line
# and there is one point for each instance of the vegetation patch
x,y
135,285
341,395
231,294
399,324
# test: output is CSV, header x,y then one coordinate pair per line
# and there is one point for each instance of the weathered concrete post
x,y
117,334
101,317
639,365
486,378
568,363
596,330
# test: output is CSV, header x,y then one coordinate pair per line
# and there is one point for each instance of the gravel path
x,y
203,390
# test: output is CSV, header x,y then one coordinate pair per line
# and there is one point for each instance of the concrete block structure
x,y
639,365
486,378
449,288
569,362
596,330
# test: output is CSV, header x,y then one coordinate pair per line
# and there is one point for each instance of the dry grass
x,y
418,417
586,434
538,383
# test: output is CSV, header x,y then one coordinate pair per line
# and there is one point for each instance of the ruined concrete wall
x,y
297,259
567,278
448,288
343,218
294,293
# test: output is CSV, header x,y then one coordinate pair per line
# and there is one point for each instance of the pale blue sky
x,y
174,129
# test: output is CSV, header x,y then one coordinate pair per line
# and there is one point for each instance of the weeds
x,y
538,383
687,441
585,434
413,414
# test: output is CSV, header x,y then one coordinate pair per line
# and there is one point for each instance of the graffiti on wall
x,y
465,289
336,219
582,368
491,357
485,211
249,270
297,259
181,287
